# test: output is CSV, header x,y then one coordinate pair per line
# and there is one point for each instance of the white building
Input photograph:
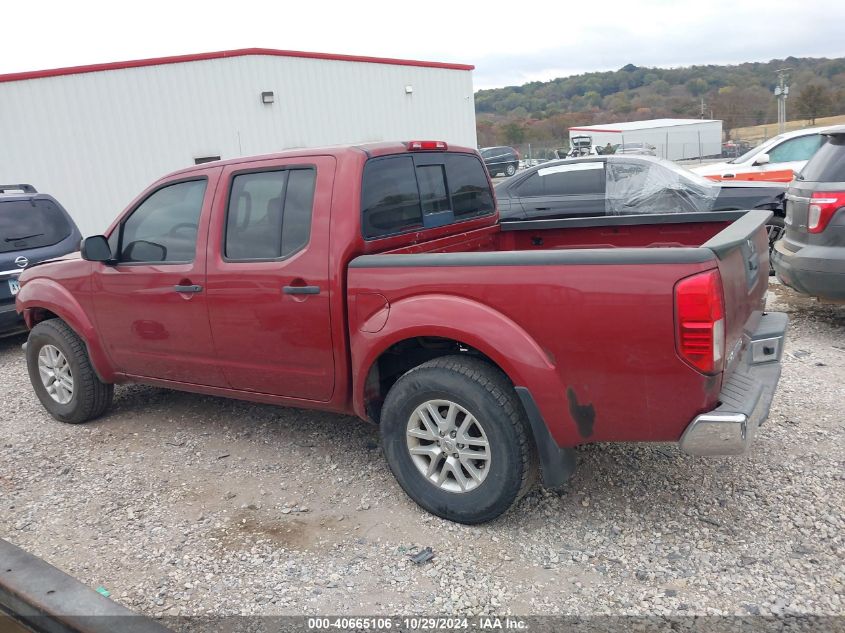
x,y
674,139
95,136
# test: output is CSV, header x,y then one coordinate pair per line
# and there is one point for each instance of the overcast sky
x,y
510,43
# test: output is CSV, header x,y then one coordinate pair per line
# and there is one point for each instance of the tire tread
x,y
94,396
499,386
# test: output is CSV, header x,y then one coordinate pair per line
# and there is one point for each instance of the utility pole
x,y
702,108
781,93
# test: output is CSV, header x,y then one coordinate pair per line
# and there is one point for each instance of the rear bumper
x,y
818,271
746,395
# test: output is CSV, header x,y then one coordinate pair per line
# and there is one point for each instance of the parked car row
x,y
626,185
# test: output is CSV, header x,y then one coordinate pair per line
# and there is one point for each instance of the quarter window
x,y
269,214
163,228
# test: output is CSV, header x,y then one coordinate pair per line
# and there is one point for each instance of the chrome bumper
x,y
746,395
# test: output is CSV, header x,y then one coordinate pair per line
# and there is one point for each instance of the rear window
x,y
416,191
828,163
33,223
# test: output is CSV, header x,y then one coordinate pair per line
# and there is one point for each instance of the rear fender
x,y
46,294
478,326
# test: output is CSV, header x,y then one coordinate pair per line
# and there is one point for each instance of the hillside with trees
x,y
740,95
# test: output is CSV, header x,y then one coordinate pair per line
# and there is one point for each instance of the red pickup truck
x,y
377,280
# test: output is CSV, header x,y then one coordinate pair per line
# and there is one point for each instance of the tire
x,y
510,170
775,229
483,391
89,396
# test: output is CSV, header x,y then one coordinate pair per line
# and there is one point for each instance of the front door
x,y
268,283
151,305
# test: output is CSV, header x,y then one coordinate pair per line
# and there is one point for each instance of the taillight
x,y
700,321
427,145
823,206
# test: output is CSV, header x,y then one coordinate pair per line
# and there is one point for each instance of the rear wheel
x,y
510,170
62,376
457,440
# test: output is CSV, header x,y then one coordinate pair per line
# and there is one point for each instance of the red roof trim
x,y
241,52
592,129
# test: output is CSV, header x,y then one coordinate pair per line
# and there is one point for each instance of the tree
x,y
513,132
697,87
813,100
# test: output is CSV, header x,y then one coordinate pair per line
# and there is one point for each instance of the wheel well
x,y
37,315
403,356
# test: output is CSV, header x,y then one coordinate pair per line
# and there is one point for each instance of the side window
x,y
390,201
269,214
163,228
468,186
575,179
531,186
801,148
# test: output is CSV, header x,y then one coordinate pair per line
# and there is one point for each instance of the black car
x,y
811,256
626,185
500,160
33,227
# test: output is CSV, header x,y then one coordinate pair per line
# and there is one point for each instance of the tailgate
x,y
742,253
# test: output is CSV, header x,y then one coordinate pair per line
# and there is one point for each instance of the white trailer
x,y
675,139
95,136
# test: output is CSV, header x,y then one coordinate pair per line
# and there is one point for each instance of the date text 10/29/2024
x,y
421,623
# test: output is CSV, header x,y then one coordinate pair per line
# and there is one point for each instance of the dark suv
x,y
811,256
33,227
500,160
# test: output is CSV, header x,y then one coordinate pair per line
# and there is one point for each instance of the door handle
x,y
541,208
301,290
191,288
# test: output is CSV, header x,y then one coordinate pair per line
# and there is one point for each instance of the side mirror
x,y
96,249
762,159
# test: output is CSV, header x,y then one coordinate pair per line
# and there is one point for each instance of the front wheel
x,y
510,170
62,376
457,439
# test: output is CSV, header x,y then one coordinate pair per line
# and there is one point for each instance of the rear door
x,y
563,191
268,277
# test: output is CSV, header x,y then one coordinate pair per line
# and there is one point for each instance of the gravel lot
x,y
185,504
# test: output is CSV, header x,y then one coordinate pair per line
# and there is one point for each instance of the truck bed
x,y
588,302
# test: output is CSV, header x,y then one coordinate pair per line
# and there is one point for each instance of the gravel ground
x,y
182,504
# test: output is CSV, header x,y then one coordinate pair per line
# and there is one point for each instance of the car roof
x,y
371,150
801,132
836,129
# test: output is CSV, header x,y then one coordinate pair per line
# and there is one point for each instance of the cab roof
x,y
369,150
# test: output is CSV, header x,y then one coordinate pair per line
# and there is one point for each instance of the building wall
x,y
674,142
95,140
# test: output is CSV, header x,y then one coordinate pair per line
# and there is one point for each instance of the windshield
x,y
34,223
757,150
